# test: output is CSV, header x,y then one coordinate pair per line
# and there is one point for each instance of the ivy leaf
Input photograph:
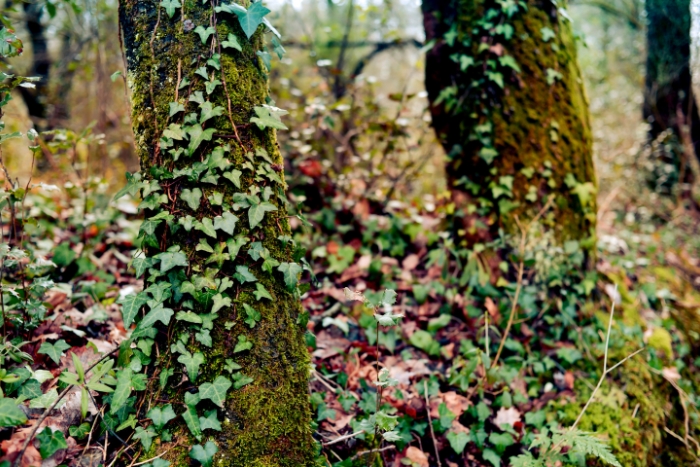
x,y
122,391
257,251
219,256
204,338
231,43
458,440
205,455
240,380
159,313
197,97
31,389
216,391
161,416
226,222
190,414
219,302
488,154
242,345
50,442
197,135
266,58
256,212
170,6
206,226
290,272
10,413
261,292
204,33
133,185
202,71
209,111
253,315
171,259
251,18
131,304
55,351
175,107
192,363
210,421
146,436
244,275
234,245
509,61
278,48
142,264
79,432
235,177
188,316
547,34
491,456
174,131
268,117
210,86
45,401
192,197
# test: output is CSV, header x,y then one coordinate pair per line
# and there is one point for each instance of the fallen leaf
x,y
671,374
507,417
410,262
456,403
416,456
492,309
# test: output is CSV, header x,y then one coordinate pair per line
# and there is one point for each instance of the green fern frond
x,y
588,444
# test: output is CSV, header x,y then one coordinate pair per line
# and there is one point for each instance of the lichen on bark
x,y
516,127
267,421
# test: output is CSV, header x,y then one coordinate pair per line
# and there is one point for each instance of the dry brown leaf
x,y
410,262
364,261
507,417
456,403
497,49
416,456
671,374
492,309
569,379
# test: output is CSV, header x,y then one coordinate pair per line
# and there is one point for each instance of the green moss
x,y
660,340
267,422
540,131
630,412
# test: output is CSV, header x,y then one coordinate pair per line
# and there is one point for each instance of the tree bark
x,y
508,106
267,421
35,98
668,98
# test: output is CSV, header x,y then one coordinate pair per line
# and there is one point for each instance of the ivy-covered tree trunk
x,y
669,104
219,327
509,107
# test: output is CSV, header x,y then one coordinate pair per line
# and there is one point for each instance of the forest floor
x,y
457,397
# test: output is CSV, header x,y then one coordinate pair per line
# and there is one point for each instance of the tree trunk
x,y
35,98
232,306
668,99
509,107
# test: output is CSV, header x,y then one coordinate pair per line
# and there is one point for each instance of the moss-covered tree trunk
x,y
220,334
668,98
509,107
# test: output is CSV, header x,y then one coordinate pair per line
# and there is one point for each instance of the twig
x,y
123,450
606,371
362,453
430,421
157,457
521,269
343,438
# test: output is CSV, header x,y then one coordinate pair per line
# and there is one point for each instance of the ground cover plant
x,y
288,278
